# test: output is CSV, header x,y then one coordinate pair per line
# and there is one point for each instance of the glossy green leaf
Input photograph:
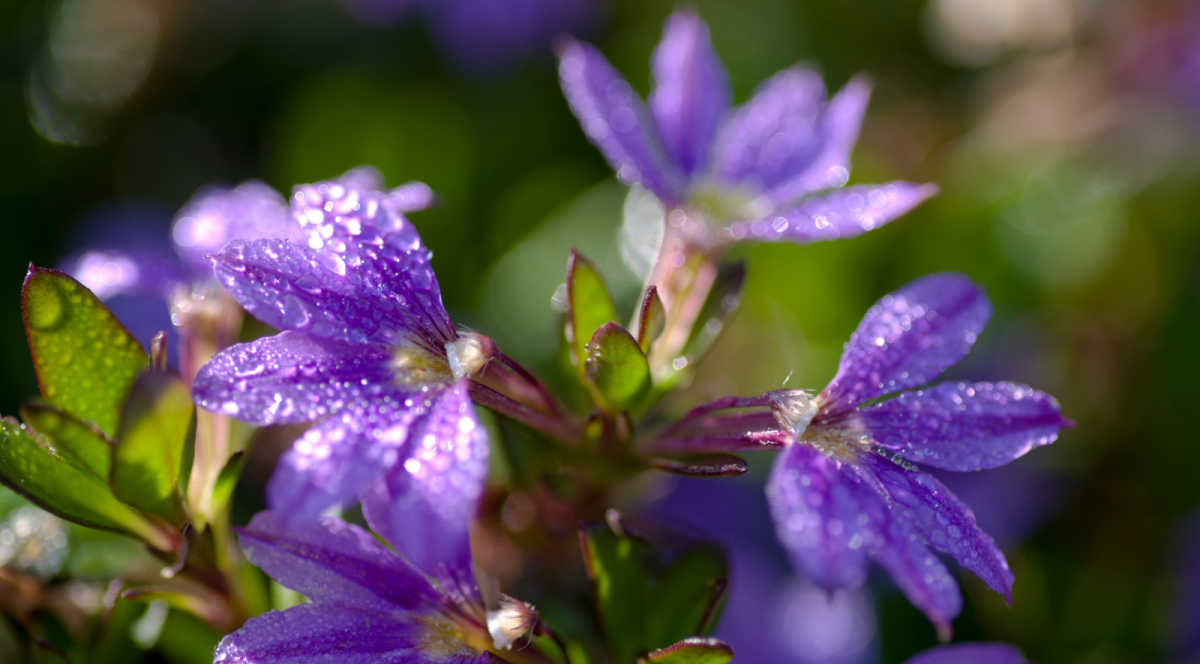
x,y
153,436
692,650
82,440
617,367
85,359
649,597
32,466
589,306
651,318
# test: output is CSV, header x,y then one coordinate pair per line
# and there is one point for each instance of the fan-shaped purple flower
x,y
848,488
755,172
368,350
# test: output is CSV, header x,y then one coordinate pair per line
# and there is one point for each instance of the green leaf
x,y
149,456
649,597
86,444
617,367
588,306
652,317
227,480
85,359
723,300
692,650
32,466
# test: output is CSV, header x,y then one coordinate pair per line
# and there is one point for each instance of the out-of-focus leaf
x,y
702,465
589,306
85,359
643,223
227,480
647,599
70,435
692,650
652,316
153,436
617,367
33,467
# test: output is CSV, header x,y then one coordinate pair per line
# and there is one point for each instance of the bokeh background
x,y
1063,135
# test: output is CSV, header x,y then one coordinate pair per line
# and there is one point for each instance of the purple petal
x,y
310,634
333,562
291,377
216,215
616,122
691,93
362,178
824,516
839,214
775,134
918,573
838,128
426,502
965,426
931,510
906,339
975,653
139,271
411,197
340,458
295,288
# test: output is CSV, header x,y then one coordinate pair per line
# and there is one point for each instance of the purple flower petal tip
x,y
976,653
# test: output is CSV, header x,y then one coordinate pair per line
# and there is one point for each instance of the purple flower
x,y
976,653
369,352
848,487
368,603
754,172
485,35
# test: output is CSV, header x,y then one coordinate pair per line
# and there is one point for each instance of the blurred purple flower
x,y
368,603
485,35
755,172
975,653
846,488
369,350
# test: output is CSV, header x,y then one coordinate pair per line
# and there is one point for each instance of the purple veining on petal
x,y
424,504
691,93
292,377
906,339
975,653
340,458
311,634
964,426
825,518
841,213
216,215
774,134
333,562
943,521
838,126
616,121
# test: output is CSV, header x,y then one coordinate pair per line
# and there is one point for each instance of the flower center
x,y
440,638
723,204
415,366
795,410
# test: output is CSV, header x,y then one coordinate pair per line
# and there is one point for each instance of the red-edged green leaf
x,y
652,317
85,359
617,367
692,650
588,306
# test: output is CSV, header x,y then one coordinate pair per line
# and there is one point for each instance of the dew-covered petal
x,y
776,133
964,426
838,127
975,653
291,377
616,121
425,503
292,287
216,215
333,562
906,339
930,509
340,458
313,634
691,93
841,213
923,579
825,517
